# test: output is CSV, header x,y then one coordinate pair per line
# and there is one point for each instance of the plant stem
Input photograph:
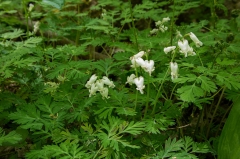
x,y
225,114
157,96
97,152
172,22
148,92
173,90
133,25
214,113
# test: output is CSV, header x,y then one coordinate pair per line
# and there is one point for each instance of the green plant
x,y
115,79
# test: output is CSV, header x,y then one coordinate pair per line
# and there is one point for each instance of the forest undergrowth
x,y
116,79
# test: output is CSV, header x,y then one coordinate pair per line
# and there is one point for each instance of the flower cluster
x,y
95,85
184,48
146,65
139,81
160,26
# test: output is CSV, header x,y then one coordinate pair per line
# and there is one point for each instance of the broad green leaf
x,y
207,84
229,143
189,93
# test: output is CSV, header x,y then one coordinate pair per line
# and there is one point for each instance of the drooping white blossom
x,y
106,81
178,34
30,7
140,54
154,31
185,48
93,89
91,81
165,19
36,26
140,84
104,93
197,42
99,83
169,49
140,62
130,79
148,66
136,56
174,70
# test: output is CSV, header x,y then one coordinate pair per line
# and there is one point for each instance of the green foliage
x,y
229,144
66,91
10,138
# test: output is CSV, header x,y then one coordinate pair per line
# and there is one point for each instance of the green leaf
x,y
229,143
126,111
12,35
29,118
54,3
190,92
225,61
32,42
207,84
11,137
188,78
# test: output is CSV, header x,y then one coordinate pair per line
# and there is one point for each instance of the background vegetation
x,y
65,90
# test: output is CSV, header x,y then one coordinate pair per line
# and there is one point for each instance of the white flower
x,y
100,85
140,62
163,28
185,48
106,81
93,90
154,31
140,54
149,66
195,40
104,93
169,49
36,26
91,81
158,23
179,35
165,19
174,70
130,79
139,83
30,7
134,57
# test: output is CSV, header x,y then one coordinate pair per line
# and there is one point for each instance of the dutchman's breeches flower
x,y
140,84
36,26
95,85
30,7
195,39
135,57
93,90
130,79
148,66
92,79
140,62
106,81
104,93
174,70
169,49
185,48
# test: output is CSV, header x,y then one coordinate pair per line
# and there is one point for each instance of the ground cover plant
x,y
119,79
